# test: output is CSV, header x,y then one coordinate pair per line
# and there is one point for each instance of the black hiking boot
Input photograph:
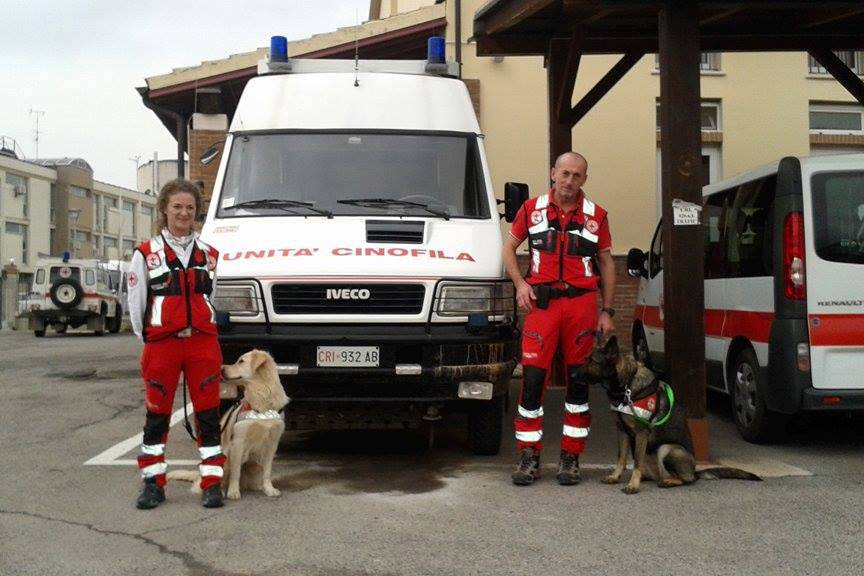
x,y
528,469
568,469
151,495
212,497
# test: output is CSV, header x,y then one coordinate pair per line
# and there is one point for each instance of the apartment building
x,y
48,206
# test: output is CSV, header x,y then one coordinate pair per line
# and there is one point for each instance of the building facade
x,y
49,206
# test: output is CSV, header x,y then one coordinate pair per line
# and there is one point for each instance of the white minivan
x,y
360,244
784,291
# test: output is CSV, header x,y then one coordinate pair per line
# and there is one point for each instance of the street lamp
x,y
74,215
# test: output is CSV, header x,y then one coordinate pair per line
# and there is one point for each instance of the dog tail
x,y
725,473
184,475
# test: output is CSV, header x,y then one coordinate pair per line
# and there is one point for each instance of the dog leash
x,y
186,423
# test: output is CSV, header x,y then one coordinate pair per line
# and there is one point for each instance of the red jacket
x,y
562,251
178,297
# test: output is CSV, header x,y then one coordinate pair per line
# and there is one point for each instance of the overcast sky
x,y
81,61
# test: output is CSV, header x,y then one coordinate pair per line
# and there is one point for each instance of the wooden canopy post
x,y
683,255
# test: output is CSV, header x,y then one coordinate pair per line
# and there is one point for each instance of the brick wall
x,y
199,141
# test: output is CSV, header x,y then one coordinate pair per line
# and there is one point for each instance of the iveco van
x,y
784,290
360,245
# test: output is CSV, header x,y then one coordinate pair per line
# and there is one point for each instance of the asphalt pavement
x,y
385,503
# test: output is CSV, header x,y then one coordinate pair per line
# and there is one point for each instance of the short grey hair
x,y
574,155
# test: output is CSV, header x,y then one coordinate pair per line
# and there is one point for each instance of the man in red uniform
x,y
571,257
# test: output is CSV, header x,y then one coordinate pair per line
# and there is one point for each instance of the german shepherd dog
x,y
663,452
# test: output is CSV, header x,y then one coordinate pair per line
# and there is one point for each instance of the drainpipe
x,y
457,5
180,133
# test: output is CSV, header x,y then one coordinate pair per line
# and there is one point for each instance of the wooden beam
x,y
841,72
560,131
683,256
571,69
603,86
722,15
833,18
510,14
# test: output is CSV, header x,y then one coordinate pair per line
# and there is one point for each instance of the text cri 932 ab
x,y
350,252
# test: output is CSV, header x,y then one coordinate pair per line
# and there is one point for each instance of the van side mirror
x,y
209,155
636,263
515,194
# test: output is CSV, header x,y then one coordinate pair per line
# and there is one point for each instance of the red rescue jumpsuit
x,y
180,335
562,247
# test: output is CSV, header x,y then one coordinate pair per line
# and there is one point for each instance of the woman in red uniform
x,y
171,279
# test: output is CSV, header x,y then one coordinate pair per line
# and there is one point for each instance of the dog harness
x,y
247,413
644,409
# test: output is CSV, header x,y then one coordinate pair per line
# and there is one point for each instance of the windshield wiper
x,y
384,202
280,204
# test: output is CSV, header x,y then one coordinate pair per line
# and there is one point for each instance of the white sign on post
x,y
685,213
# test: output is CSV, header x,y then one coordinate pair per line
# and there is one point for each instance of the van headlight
x,y
494,299
237,300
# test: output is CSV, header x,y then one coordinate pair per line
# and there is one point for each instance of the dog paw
x,y
669,483
233,494
630,489
611,479
272,492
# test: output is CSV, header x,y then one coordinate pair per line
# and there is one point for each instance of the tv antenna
x,y
356,47
38,114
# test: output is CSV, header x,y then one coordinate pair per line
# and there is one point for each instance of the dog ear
x,y
257,360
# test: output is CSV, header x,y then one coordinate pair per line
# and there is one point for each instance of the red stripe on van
x,y
756,326
836,329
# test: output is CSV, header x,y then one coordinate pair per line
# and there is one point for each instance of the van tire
x,y
77,293
755,422
485,425
116,320
640,346
100,323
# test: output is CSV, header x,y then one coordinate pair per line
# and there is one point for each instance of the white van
x,y
360,245
784,291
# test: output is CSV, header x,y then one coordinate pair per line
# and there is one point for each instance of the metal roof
x,y
54,162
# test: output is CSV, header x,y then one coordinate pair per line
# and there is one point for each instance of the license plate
x,y
347,356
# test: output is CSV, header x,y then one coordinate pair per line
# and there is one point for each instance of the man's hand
x,y
524,296
605,324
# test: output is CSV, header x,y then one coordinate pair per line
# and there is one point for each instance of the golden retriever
x,y
250,430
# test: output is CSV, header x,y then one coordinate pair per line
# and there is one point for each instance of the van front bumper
x,y
418,363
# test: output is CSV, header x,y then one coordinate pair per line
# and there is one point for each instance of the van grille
x,y
394,232
348,298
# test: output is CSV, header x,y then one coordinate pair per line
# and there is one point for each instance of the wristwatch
x,y
609,311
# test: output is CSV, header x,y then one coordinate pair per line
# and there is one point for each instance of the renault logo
x,y
348,294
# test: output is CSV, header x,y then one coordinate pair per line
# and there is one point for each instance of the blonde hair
x,y
173,187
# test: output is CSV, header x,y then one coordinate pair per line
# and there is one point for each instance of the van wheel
x,y
67,293
640,346
485,424
100,323
116,320
754,421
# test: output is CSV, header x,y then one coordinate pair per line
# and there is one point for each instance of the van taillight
x,y
794,285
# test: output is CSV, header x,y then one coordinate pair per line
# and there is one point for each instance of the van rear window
x,y
64,272
838,216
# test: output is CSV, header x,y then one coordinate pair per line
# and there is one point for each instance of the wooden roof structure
x,y
678,30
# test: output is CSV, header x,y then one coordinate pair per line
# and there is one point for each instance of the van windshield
x,y
838,216
319,174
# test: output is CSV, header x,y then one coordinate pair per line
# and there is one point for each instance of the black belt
x,y
569,292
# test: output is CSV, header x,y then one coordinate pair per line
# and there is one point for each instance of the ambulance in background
x,y
360,244
784,291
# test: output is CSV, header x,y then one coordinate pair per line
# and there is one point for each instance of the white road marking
x,y
111,456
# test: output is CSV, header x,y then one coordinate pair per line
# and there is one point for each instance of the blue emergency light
x,y
435,50
278,49
65,256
